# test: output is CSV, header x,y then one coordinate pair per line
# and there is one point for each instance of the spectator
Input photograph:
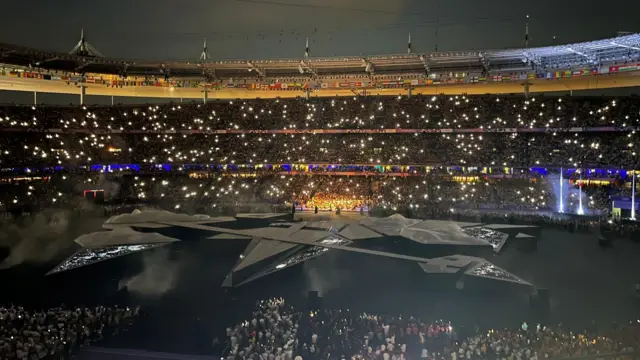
x,y
56,332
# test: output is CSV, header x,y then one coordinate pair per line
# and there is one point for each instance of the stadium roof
x,y
614,50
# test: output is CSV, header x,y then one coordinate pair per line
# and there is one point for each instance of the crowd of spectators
x,y
213,192
55,333
279,332
516,132
449,152
418,112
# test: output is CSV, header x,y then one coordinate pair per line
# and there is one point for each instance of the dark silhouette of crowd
x,y
277,331
55,333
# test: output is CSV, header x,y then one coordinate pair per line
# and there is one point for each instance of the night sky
x,y
252,29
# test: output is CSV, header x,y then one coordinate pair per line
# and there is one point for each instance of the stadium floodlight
x,y
83,48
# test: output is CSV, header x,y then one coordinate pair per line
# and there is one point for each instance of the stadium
x,y
396,206
600,64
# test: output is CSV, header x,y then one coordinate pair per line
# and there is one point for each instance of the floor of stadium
x,y
185,307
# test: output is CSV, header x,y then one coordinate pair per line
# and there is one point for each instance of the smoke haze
x,y
323,275
158,276
37,239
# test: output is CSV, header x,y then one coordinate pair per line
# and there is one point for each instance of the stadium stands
x,y
434,153
276,331
280,332
55,333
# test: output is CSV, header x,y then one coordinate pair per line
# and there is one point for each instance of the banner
x,y
624,68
